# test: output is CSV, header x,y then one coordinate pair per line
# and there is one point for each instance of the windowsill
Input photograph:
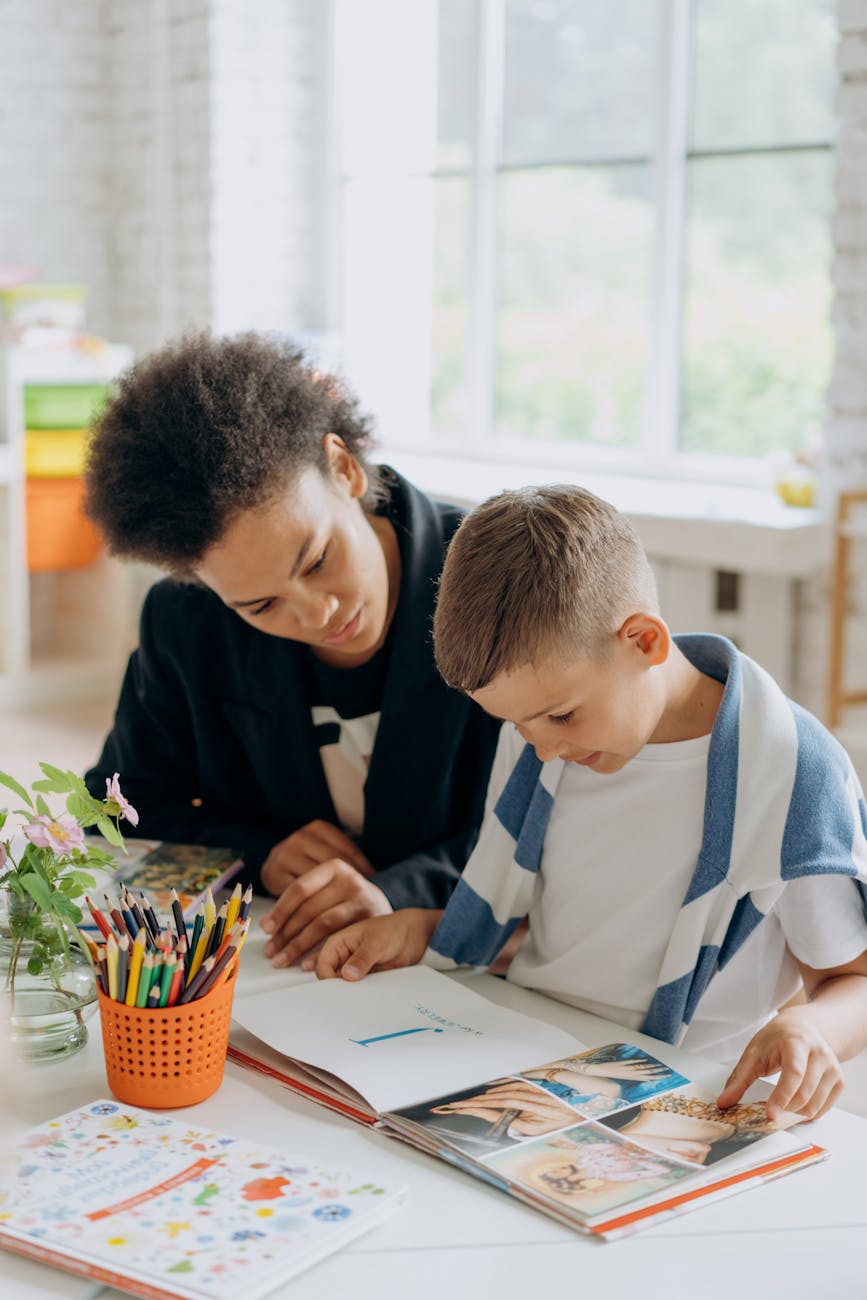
x,y
740,528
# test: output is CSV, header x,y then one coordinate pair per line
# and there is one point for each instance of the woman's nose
x,y
314,610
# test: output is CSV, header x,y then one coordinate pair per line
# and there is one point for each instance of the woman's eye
x,y
560,718
261,609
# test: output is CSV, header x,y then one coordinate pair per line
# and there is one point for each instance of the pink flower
x,y
60,834
124,807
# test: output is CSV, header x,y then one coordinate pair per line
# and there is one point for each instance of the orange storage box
x,y
58,534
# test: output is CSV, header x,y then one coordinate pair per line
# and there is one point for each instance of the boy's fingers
x,y
745,1072
822,1104
331,956
812,1081
793,1069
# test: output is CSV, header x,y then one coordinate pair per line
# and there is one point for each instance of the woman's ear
x,y
649,634
345,469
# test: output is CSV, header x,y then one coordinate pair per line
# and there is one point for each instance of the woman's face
x,y
311,566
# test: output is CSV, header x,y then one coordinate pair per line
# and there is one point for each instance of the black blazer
x,y
213,735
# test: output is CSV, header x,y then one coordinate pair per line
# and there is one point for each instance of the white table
x,y
456,1239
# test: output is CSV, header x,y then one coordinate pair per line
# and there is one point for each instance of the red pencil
x,y
175,986
101,923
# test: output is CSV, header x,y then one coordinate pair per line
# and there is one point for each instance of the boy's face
x,y
598,713
311,566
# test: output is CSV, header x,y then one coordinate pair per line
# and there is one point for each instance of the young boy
x,y
687,843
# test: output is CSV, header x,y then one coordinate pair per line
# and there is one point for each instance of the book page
x,y
403,1036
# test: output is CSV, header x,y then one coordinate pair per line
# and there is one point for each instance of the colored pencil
x,y
198,926
122,966
192,989
175,987
198,956
144,984
169,966
178,914
234,907
111,958
246,903
101,923
135,962
220,964
216,935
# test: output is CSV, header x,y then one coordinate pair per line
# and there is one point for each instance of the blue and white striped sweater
x,y
782,802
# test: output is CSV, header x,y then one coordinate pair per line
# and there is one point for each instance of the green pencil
x,y
144,979
169,965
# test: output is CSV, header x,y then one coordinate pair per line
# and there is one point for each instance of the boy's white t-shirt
x,y
619,853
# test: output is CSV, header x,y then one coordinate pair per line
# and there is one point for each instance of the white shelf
x,y
67,365
5,464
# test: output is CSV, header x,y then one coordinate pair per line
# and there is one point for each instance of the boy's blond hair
x,y
536,575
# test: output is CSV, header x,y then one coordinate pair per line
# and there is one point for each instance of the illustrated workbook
x,y
606,1140
157,867
165,1209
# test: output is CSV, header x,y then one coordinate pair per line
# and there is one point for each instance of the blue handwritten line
x,y
365,1042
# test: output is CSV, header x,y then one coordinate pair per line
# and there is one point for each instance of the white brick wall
x,y
168,153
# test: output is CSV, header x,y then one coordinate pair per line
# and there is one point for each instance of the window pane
x,y
579,80
456,75
449,405
764,73
757,333
386,100
571,332
387,288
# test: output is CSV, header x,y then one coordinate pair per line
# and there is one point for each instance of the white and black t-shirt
x,y
345,705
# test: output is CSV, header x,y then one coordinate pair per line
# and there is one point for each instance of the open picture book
x,y
166,1209
605,1140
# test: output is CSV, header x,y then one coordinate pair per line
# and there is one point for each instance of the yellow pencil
x,y
234,907
135,961
199,954
210,910
111,958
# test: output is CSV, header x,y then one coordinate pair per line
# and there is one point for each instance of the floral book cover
x,y
160,1207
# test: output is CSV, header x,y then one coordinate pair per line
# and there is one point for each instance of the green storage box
x,y
63,406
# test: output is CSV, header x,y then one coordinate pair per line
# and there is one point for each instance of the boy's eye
x,y
318,563
560,718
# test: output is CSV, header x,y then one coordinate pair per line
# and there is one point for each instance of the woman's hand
x,y
309,847
326,898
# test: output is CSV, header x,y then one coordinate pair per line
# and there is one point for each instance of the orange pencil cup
x,y
167,1056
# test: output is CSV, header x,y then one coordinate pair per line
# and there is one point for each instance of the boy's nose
x,y
546,752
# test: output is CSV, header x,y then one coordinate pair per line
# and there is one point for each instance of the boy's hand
x,y
384,943
308,847
325,898
810,1076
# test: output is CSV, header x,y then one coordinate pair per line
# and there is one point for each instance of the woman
x,y
283,699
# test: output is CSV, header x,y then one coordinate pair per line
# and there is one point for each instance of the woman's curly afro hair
x,y
205,428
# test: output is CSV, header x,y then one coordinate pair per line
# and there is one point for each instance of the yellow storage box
x,y
55,453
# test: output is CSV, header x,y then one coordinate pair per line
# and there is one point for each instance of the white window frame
x,y
657,454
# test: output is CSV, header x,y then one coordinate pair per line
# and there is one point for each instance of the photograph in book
x,y
689,1126
588,1170
544,1099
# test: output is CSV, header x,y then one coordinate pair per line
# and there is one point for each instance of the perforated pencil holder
x,y
167,1056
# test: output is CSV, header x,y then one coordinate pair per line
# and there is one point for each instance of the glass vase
x,y
47,982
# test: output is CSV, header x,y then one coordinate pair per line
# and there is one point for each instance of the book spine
x,y
323,1099
83,1268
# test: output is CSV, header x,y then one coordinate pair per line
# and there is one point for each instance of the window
x,y
576,230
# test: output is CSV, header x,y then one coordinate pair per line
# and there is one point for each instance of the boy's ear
x,y
648,634
346,471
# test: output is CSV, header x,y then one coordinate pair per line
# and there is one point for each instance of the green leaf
x,y
42,806
108,829
34,964
76,883
38,890
13,785
3,816
65,908
51,787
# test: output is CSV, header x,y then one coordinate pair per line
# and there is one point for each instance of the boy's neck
x,y
692,700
